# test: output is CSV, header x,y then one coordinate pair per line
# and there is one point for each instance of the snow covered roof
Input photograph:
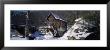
x,y
56,16
78,19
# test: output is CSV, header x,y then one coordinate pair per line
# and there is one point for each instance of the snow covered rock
x,y
77,31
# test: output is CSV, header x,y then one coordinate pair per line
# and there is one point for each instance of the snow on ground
x,y
78,31
72,31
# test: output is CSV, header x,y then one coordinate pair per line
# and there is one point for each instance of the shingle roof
x,y
56,16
